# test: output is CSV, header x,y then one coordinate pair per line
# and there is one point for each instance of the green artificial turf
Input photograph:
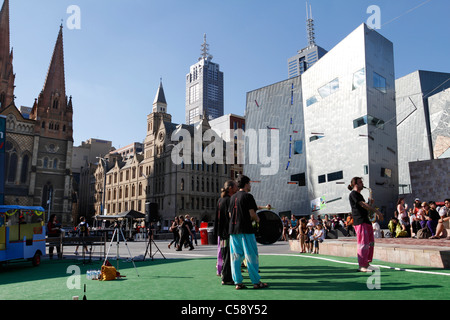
x,y
290,277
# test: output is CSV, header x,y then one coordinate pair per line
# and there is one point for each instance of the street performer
x,y
242,235
221,229
363,226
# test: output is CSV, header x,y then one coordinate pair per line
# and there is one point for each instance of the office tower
x,y
204,88
308,56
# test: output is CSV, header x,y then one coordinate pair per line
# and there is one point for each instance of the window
x,y
193,113
322,179
368,120
314,138
359,78
330,88
300,178
24,171
379,82
298,147
366,169
311,101
335,176
194,93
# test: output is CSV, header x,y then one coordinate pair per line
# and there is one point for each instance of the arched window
x,y
24,170
12,168
45,162
55,163
182,185
55,104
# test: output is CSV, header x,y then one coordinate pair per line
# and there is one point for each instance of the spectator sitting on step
x,y
392,226
349,225
443,224
377,232
313,220
336,222
326,223
293,227
414,222
423,214
433,218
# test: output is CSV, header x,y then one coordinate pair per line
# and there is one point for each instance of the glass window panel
x,y
359,78
311,101
379,82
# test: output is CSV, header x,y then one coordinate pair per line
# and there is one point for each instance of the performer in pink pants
x,y
362,224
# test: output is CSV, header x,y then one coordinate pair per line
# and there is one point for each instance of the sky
x,y
116,51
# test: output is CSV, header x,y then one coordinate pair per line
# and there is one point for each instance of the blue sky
x,y
114,62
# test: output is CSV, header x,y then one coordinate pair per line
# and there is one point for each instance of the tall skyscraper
x,y
204,88
306,57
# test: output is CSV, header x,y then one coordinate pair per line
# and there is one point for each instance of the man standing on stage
x,y
242,235
363,226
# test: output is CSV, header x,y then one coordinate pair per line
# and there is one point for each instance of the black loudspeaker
x,y
151,212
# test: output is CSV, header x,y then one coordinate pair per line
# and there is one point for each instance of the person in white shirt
x,y
443,223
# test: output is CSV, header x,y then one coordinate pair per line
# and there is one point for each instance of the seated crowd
x,y
423,220
310,232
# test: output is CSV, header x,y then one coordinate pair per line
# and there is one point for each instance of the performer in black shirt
x,y
242,234
362,224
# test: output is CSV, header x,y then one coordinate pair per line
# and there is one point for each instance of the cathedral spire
x,y
53,111
55,82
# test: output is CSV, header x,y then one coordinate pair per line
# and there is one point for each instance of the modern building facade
x,y
423,119
334,123
277,111
204,89
39,146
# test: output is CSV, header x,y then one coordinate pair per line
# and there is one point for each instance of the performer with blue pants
x,y
242,235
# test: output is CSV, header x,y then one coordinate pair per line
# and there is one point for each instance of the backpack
x,y
423,233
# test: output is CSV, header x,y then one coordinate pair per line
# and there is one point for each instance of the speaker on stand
x,y
151,216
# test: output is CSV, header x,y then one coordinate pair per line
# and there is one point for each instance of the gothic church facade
x,y
39,146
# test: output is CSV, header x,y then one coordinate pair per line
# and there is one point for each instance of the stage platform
x,y
419,252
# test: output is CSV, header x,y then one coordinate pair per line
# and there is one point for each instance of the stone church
x,y
38,147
